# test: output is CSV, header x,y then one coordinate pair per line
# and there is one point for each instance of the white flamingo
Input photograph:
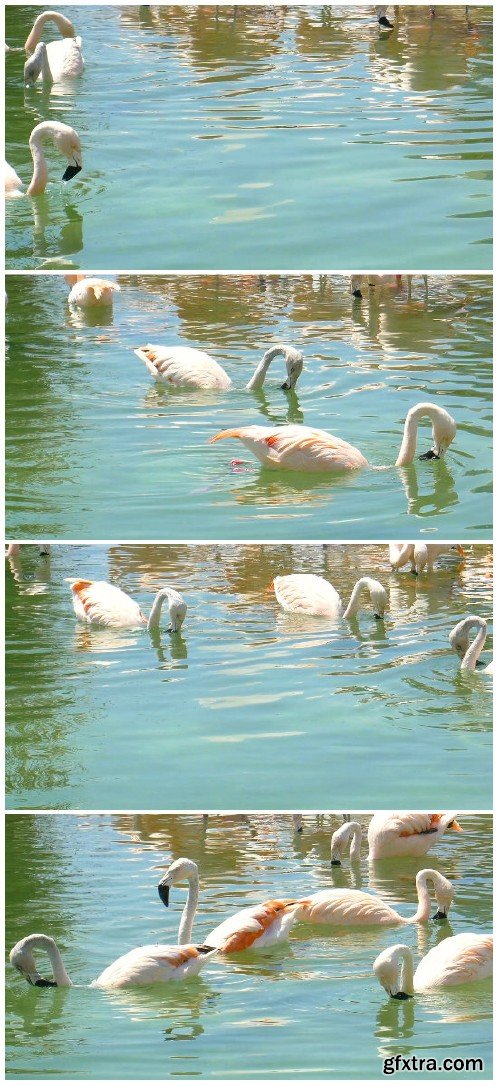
x,y
106,605
457,960
89,291
54,61
309,594
189,368
350,907
470,653
349,834
407,833
422,556
302,448
65,140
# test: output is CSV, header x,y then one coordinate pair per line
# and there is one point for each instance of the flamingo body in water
x,y
55,61
65,140
470,652
302,448
422,556
89,291
309,594
399,834
186,367
350,907
457,960
105,605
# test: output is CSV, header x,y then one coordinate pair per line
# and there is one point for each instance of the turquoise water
x,y
285,137
96,449
310,1007
247,707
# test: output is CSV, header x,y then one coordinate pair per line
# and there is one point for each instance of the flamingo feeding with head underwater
x,y
309,594
407,833
457,960
422,556
89,291
303,448
351,907
470,652
186,367
54,61
253,927
65,140
105,605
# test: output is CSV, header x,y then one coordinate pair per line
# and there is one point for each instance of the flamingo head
x,y
23,960
33,65
444,429
177,611
294,362
68,143
387,969
356,287
380,600
180,871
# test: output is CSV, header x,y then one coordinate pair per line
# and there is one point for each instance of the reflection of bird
x,y
457,960
146,965
190,368
308,594
56,60
469,653
65,140
303,448
108,606
90,291
410,833
348,907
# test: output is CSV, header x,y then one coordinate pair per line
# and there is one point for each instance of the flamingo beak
x,y
401,996
286,385
430,455
357,293
456,826
163,891
336,863
71,171
42,983
441,915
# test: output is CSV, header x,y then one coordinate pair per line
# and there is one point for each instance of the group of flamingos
x,y
455,960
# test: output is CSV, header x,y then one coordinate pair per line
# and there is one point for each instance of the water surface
x,y
285,137
309,1008
247,707
97,450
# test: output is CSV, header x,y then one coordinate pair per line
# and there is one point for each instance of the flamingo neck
x,y
38,182
189,911
257,381
355,850
47,944
472,653
63,24
424,899
353,605
154,618
406,975
409,443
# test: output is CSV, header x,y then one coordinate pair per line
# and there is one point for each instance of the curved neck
x,y
189,911
355,850
406,976
63,24
154,617
49,945
409,443
40,173
353,605
257,381
471,655
424,899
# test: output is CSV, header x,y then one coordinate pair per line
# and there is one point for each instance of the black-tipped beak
x,y
439,916
379,617
286,385
43,983
335,863
401,996
357,294
430,455
163,891
383,21
70,172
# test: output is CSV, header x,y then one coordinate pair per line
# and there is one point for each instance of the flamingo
x,y
146,965
65,140
189,368
302,448
457,960
407,833
14,549
106,605
469,654
87,292
57,60
395,282
308,594
421,555
349,907
349,833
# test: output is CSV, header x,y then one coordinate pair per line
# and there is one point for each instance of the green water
x,y
97,450
310,1007
285,137
247,707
